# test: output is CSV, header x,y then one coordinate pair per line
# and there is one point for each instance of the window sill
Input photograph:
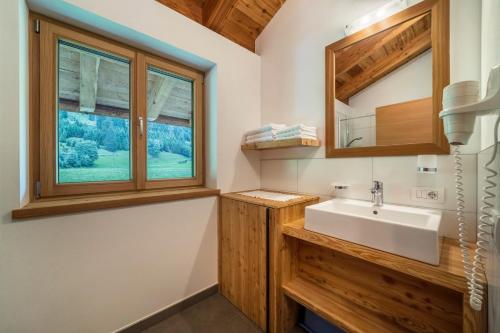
x,y
74,204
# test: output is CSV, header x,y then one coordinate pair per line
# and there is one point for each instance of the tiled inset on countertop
x,y
399,175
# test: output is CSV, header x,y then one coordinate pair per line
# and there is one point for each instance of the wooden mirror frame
x,y
440,18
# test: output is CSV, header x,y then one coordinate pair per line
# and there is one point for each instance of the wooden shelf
x,y
339,311
448,274
281,144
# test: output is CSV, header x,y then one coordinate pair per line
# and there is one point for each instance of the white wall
x,y
490,56
292,52
411,81
100,271
493,255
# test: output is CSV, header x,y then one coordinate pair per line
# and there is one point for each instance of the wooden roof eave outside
x,y
93,85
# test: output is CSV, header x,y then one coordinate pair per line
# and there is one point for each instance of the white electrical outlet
x,y
427,194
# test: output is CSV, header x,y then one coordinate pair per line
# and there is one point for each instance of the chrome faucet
x,y
377,193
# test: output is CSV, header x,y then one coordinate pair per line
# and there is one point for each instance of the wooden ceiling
x,y
361,64
238,20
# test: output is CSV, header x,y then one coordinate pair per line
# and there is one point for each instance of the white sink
x,y
405,231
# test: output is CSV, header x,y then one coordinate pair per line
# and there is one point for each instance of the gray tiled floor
x,y
213,315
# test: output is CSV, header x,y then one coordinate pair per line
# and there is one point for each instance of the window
x,y
170,144
107,117
172,123
93,115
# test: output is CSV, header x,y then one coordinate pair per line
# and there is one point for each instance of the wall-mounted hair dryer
x,y
461,105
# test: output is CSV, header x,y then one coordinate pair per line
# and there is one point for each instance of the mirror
x,y
384,85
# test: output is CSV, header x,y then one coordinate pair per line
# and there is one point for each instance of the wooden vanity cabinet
x,y
248,254
270,267
364,290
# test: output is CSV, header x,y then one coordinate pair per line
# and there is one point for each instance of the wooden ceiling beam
x,y
344,58
70,105
116,112
260,16
259,11
231,31
247,26
238,20
160,101
189,8
89,71
155,85
217,12
388,64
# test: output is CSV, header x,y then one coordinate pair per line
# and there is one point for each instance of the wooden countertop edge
x,y
75,204
269,203
447,274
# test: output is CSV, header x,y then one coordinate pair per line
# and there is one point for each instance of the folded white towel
x,y
295,132
299,127
296,136
260,135
261,139
268,127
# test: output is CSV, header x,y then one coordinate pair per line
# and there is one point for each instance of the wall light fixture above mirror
x,y
384,85
377,15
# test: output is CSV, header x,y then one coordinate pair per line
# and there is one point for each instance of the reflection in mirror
x,y
383,87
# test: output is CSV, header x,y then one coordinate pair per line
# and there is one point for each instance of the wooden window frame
x,y
144,61
50,34
43,107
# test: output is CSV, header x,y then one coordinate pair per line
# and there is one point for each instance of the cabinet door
x,y
242,258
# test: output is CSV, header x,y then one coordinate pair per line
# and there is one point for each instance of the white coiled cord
x,y
475,272
462,231
485,228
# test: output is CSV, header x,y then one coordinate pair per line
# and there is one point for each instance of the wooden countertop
x,y
270,203
449,273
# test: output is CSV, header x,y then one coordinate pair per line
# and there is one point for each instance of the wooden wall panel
x,y
365,292
239,215
407,303
404,123
242,252
282,255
